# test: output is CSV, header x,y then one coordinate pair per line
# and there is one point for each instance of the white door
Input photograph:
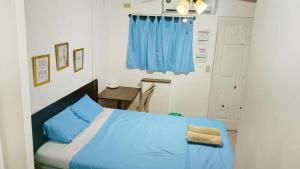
x,y
230,70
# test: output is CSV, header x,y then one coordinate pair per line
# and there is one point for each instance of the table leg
x,y
119,104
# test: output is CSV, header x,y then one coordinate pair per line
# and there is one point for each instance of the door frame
x,y
1,156
213,83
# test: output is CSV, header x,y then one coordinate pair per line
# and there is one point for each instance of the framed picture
x,y
62,55
78,55
41,69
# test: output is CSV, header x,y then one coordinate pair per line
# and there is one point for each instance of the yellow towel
x,y
204,130
204,138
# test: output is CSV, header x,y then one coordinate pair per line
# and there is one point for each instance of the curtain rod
x,y
164,15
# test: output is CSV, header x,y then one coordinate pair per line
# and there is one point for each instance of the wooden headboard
x,y
43,115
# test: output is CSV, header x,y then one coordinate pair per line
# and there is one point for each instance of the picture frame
x,y
78,58
41,69
62,55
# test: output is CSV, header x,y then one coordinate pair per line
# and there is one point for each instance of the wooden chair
x,y
145,99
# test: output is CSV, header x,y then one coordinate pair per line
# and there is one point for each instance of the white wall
x,y
15,130
52,22
269,132
99,34
190,93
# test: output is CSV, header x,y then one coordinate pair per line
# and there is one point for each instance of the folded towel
x,y
204,130
204,138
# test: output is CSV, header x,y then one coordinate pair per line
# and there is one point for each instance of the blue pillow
x,y
64,126
86,109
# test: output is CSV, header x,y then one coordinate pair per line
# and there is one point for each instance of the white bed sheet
x,y
59,155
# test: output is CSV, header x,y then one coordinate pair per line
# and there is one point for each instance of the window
x,y
161,44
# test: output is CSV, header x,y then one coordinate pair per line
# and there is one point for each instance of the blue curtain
x,y
160,44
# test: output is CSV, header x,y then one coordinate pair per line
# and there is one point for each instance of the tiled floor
x,y
233,137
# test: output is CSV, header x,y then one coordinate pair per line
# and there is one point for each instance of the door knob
x,y
235,87
223,105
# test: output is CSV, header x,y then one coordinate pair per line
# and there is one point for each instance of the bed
x,y
120,139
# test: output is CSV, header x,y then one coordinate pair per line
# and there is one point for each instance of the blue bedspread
x,y
131,140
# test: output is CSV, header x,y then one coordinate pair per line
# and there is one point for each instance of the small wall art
x,y
62,55
78,55
41,69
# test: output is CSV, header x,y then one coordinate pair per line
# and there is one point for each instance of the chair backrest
x,y
145,99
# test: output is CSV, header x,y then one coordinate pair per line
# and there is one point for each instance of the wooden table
x,y
119,95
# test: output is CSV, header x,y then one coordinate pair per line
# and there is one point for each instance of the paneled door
x,y
230,70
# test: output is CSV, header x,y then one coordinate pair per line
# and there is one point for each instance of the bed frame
x,y
43,115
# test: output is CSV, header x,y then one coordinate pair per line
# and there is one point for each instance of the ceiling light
x,y
183,7
200,6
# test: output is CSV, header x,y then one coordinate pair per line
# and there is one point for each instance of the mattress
x,y
119,139
58,155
